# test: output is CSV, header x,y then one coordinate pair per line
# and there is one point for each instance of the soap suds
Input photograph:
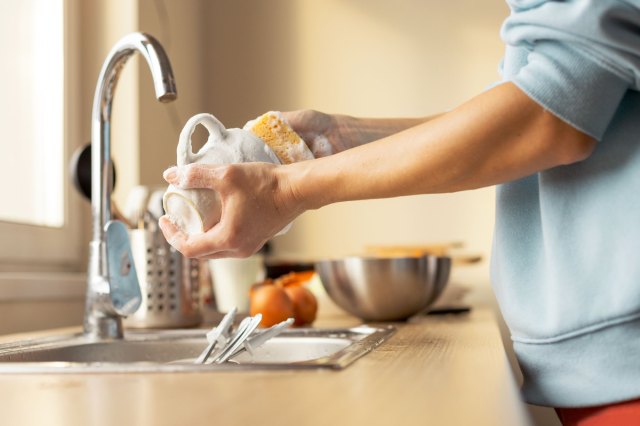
x,y
320,146
223,146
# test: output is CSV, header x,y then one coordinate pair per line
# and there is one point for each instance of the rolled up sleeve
x,y
575,58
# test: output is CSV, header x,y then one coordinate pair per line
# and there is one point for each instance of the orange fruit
x,y
272,302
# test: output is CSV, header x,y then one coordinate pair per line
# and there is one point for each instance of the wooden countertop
x,y
440,370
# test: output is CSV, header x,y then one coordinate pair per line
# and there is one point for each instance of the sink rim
x,y
364,338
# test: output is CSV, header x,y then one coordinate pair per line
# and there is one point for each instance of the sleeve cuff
x,y
572,85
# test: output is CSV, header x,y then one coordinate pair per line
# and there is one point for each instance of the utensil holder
x,y
169,282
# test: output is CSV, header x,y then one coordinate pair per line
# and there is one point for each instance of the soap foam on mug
x,y
320,146
197,210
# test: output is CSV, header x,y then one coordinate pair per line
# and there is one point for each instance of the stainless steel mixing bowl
x,y
384,289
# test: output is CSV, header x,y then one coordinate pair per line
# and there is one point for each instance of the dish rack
x,y
169,282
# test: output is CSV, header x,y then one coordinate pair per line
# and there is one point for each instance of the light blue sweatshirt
x,y
566,264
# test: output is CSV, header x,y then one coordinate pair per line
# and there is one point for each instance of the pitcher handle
x,y
216,131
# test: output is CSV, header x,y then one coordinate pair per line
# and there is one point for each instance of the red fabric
x,y
620,414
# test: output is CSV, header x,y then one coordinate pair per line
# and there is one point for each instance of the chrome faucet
x,y
112,284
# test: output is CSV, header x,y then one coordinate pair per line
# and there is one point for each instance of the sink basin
x,y
175,351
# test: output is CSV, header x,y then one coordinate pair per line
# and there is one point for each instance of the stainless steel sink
x,y
175,351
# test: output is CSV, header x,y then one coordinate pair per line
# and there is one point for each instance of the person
x,y
560,136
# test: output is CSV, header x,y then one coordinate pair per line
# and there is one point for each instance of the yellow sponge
x,y
280,137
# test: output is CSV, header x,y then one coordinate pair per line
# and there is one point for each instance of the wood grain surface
x,y
436,370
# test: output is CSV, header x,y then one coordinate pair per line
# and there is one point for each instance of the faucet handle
x,y
123,279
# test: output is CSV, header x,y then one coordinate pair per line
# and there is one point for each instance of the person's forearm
x,y
499,136
364,130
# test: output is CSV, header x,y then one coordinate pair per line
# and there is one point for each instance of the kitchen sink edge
x,y
173,351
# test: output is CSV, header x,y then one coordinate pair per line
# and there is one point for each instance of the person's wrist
x,y
351,130
302,191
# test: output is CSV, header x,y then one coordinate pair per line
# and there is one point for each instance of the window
x,y
31,116
38,226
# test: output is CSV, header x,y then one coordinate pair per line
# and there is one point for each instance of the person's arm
x,y
341,132
498,136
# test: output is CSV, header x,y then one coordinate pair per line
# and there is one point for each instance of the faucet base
x,y
103,328
100,321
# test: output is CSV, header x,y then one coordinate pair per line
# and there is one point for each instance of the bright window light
x,y
32,112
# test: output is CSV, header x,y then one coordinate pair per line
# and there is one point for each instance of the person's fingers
x,y
211,243
298,120
220,255
199,176
206,244
171,175
290,117
194,176
173,235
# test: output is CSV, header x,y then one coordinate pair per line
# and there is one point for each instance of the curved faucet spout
x,y
102,316
165,88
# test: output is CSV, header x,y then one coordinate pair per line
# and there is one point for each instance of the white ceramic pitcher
x,y
197,210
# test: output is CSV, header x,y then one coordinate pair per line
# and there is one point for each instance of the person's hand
x,y
256,203
322,132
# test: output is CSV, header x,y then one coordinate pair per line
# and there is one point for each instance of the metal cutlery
x,y
218,335
224,345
